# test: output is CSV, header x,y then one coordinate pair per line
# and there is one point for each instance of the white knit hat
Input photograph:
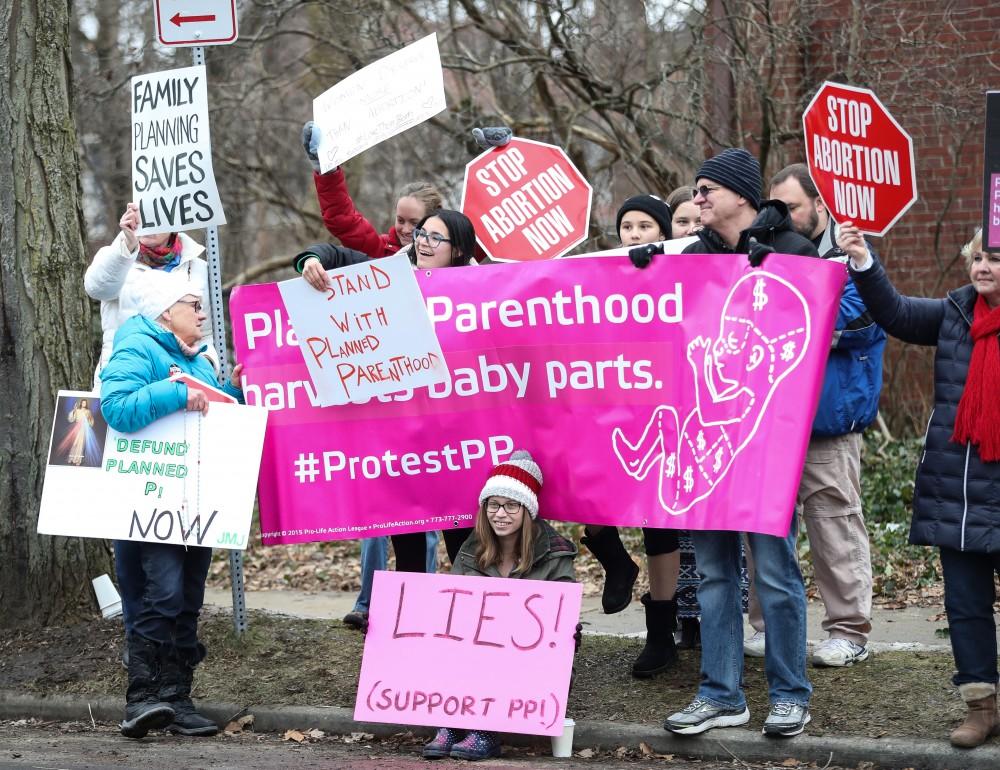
x,y
519,478
156,291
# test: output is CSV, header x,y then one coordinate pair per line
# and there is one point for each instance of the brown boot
x,y
981,719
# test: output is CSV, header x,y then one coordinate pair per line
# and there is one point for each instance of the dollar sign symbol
x,y
759,297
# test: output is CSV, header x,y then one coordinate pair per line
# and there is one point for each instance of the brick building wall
x,y
930,63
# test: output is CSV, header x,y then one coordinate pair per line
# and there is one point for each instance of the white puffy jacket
x,y
112,279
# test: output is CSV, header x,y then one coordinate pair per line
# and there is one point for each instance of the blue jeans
x,y
783,600
131,583
173,593
968,599
375,556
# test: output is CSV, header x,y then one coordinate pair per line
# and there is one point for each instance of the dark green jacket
x,y
553,560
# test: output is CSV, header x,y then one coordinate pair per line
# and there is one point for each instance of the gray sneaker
x,y
700,715
786,720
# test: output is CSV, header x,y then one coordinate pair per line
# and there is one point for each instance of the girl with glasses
x,y
444,238
508,540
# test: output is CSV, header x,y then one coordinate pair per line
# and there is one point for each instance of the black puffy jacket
x,y
956,502
772,226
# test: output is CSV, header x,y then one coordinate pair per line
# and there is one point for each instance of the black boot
x,y
660,652
690,634
175,689
144,709
620,572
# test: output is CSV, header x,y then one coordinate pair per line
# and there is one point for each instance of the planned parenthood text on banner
x,y
515,635
185,479
172,177
679,396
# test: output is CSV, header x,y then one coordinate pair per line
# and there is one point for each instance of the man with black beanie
x,y
735,220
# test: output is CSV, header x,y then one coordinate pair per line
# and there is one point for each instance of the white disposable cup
x,y
562,745
107,597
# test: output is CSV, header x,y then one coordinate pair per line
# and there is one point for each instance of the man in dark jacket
x,y
830,491
727,191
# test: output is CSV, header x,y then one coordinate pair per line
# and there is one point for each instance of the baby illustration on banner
x,y
763,334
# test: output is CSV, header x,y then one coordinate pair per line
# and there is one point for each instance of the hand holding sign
x,y
859,157
367,333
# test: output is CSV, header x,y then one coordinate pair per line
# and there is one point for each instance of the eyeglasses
x,y
511,506
704,191
195,303
433,239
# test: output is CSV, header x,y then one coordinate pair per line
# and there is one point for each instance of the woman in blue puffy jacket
x,y
136,390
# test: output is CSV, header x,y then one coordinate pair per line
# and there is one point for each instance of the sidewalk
x,y
908,629
912,629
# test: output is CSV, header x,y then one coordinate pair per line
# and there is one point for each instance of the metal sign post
x,y
219,327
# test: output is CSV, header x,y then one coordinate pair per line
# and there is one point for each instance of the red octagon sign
x,y
859,157
527,201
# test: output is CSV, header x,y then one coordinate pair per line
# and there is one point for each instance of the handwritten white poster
x,y
385,98
366,335
172,177
185,479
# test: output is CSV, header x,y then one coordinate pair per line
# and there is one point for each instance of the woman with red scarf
x,y
112,276
956,501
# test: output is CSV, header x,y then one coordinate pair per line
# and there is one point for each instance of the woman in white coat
x,y
112,274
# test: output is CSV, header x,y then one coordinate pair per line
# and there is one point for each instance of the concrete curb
x,y
717,744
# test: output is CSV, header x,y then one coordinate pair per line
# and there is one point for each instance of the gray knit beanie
x,y
519,478
737,170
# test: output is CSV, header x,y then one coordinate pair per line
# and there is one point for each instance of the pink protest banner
x,y
472,652
680,396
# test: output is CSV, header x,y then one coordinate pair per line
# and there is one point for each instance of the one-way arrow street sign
x,y
195,22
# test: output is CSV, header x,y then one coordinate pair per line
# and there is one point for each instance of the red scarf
x,y
158,256
978,416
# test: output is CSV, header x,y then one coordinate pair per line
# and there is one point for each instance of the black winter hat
x,y
737,170
647,204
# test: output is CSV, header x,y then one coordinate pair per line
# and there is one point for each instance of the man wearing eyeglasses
x,y
735,221
829,496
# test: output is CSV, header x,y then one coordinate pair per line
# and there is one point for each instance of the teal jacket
x,y
135,385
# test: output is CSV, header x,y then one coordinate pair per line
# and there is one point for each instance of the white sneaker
x,y
839,652
754,646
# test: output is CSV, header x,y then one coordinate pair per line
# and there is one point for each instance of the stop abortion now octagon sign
x,y
527,201
859,157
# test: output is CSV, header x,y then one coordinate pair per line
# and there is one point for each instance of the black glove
x,y
641,256
577,637
310,143
495,136
757,252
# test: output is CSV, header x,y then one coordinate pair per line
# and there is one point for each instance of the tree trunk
x,y
44,314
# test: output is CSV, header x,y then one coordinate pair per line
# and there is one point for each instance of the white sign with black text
x,y
172,177
385,98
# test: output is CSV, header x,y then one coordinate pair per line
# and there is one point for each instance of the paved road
x,y
83,747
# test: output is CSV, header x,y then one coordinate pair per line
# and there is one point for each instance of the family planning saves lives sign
x,y
172,177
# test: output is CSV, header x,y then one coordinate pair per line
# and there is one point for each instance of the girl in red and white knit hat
x,y
508,540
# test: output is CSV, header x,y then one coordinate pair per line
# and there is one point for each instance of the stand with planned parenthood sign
x,y
677,396
172,176
185,479
512,639
368,334
385,98
859,157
